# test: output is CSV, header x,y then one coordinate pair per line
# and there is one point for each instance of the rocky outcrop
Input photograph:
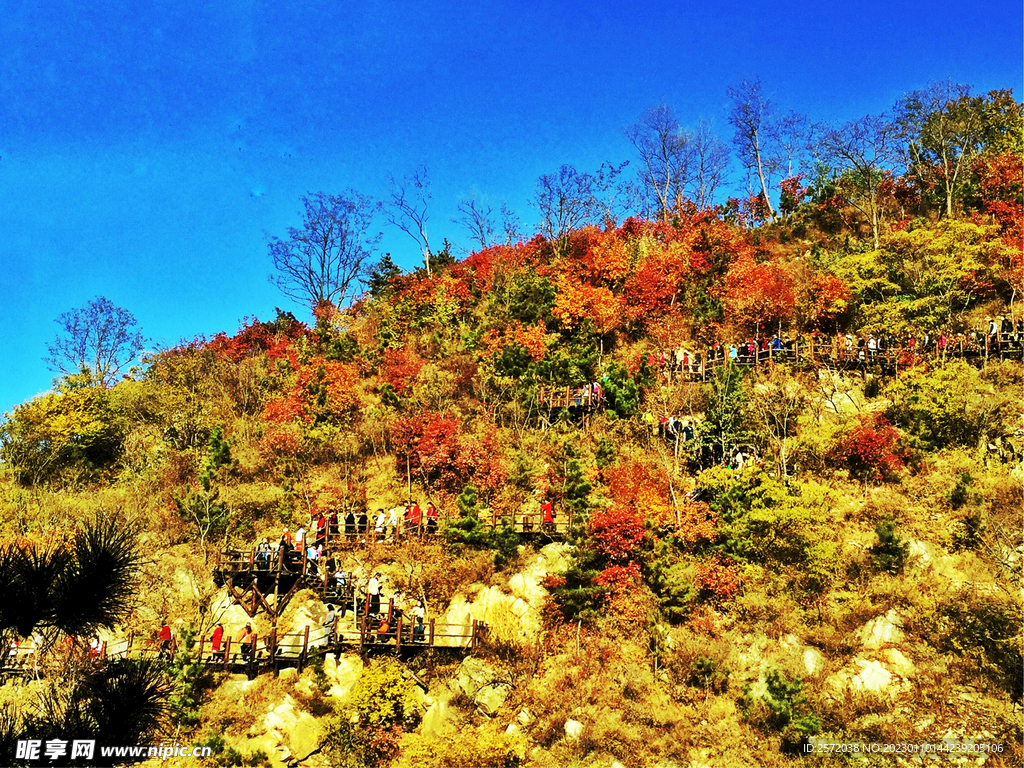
x,y
512,615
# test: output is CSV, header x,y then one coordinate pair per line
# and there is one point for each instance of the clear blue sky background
x,y
147,147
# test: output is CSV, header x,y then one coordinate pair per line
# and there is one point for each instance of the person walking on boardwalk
x,y
247,641
165,640
548,509
330,624
217,641
373,593
431,519
350,524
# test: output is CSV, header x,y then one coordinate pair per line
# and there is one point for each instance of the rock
x,y
489,698
305,735
897,662
573,729
881,631
288,673
512,728
342,674
873,676
524,717
433,719
475,673
814,661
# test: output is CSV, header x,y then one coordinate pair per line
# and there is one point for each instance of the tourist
x,y
378,527
247,641
321,529
432,517
373,593
165,638
330,624
548,510
217,641
300,539
350,524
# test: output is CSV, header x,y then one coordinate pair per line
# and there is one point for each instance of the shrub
x,y
890,553
782,708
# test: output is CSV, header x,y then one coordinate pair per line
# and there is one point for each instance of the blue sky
x,y
147,147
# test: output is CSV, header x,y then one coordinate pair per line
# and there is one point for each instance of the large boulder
x,y
298,729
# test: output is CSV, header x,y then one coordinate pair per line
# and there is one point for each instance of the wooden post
x,y
305,648
272,640
227,650
391,609
430,635
472,635
252,558
103,650
398,636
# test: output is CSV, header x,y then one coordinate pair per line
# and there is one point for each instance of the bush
x,y
782,708
890,553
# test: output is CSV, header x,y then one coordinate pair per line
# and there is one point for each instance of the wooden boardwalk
x,y
276,651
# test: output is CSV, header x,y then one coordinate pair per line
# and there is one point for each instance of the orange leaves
x,y
322,391
578,301
644,488
758,293
400,367
828,299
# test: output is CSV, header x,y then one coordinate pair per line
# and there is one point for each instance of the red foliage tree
x,y
871,449
616,534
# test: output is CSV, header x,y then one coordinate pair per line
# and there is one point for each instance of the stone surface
x,y
514,616
298,729
524,717
288,673
573,729
434,718
489,698
342,673
881,631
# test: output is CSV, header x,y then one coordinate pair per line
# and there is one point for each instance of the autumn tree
x,y
330,254
947,129
752,115
99,339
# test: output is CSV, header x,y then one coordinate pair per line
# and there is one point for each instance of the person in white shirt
x,y
379,526
393,522
300,539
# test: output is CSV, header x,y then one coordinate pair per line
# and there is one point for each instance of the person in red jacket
x,y
548,509
431,518
217,641
165,640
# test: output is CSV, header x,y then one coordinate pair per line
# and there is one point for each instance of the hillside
x,y
785,466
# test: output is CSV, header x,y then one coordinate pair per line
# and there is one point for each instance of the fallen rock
x,y
573,729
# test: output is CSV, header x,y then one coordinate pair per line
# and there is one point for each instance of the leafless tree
x,y
863,151
710,164
569,199
511,227
409,209
666,154
476,218
792,135
753,116
100,339
330,253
